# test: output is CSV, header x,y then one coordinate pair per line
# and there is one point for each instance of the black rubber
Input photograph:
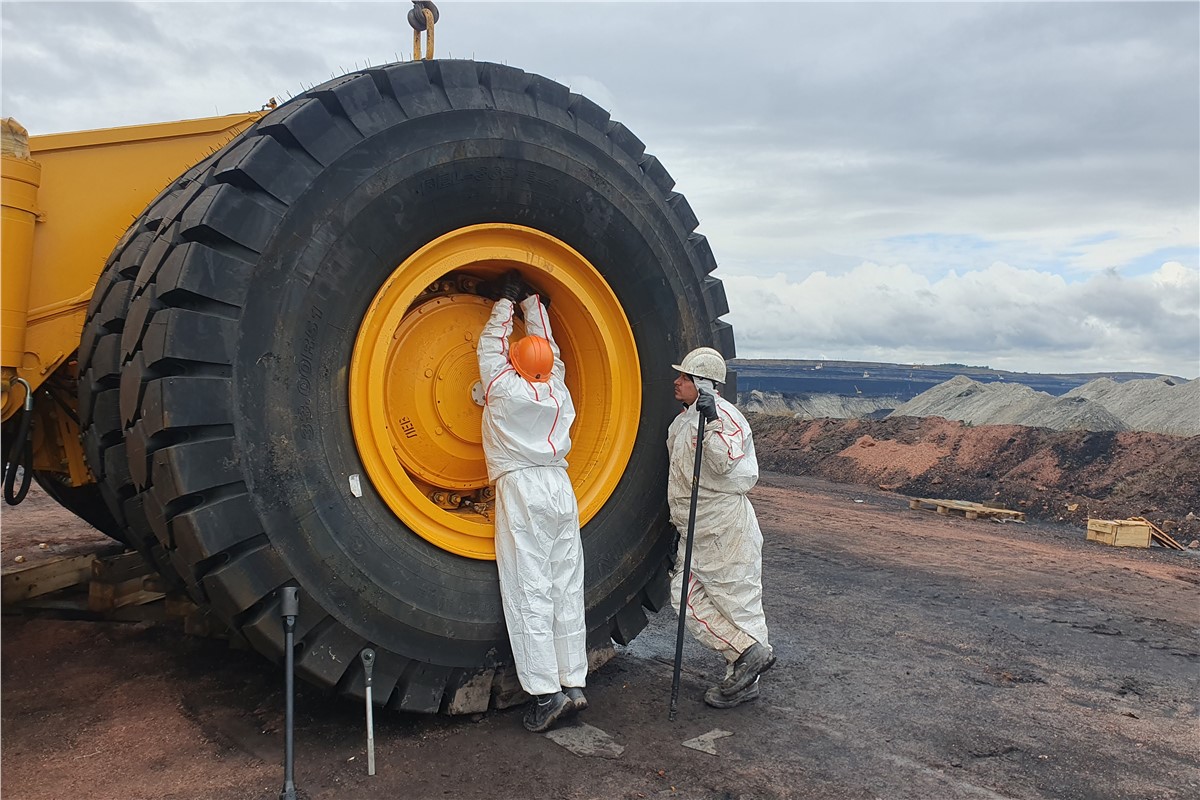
x,y
19,458
244,303
85,502
99,359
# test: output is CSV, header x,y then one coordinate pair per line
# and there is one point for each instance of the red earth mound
x,y
1051,475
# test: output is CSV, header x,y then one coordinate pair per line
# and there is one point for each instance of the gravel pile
x,y
1160,405
1074,413
814,406
963,399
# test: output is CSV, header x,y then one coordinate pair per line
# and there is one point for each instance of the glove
x,y
513,288
706,404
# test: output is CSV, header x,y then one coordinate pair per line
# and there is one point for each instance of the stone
x,y
705,742
586,740
474,695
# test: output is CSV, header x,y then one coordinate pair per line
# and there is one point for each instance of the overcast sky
x,y
1002,184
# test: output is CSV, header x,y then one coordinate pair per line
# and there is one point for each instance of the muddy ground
x,y
919,657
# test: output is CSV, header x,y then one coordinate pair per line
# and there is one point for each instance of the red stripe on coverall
x,y
487,395
695,616
505,330
553,425
557,406
728,448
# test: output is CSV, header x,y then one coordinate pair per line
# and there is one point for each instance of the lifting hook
x,y
421,17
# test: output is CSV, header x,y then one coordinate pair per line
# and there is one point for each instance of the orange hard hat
x,y
532,358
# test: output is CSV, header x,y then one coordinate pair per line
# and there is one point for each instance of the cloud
x,y
810,138
1001,316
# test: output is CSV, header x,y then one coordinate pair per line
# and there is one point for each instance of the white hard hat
x,y
703,362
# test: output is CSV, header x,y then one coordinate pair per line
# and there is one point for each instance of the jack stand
x,y
290,608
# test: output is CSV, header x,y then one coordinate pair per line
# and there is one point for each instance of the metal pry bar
x,y
368,661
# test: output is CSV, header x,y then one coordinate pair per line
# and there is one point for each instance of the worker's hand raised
x,y
513,288
706,404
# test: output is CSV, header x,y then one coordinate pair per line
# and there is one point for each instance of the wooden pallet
x,y
966,509
99,585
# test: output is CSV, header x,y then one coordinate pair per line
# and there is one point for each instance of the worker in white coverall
x,y
527,416
724,600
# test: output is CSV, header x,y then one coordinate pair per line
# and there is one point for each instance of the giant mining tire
x,y
297,365
99,358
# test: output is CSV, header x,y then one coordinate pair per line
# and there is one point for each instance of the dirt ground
x,y
919,657
39,529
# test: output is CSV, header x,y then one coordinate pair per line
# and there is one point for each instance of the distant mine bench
x,y
966,508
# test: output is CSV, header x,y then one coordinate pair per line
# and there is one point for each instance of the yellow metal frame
x,y
413,370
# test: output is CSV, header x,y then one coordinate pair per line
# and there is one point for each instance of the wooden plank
x,y
1159,535
1165,540
111,596
119,568
39,579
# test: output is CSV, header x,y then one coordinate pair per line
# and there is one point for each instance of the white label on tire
x,y
355,485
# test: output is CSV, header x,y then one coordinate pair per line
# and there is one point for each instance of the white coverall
x,y
526,437
724,600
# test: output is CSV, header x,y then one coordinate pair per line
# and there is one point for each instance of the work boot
x,y
575,695
752,663
545,710
716,697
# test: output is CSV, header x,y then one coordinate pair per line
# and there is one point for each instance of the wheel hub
x,y
432,368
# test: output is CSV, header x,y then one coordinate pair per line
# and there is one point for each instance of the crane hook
x,y
421,17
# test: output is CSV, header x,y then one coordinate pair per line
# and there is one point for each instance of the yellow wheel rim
x,y
415,394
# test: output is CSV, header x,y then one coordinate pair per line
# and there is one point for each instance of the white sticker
x,y
355,485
